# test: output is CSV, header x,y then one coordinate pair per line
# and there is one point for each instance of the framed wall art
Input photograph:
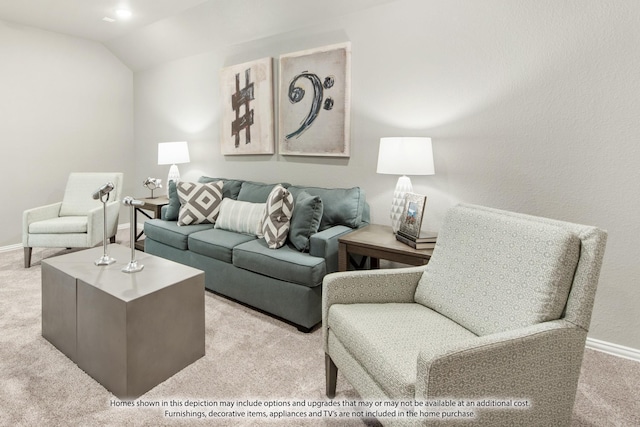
x,y
315,102
247,108
411,218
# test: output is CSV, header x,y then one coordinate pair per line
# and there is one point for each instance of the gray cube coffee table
x,y
129,332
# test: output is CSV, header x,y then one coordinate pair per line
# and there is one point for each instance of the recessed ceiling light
x,y
107,19
123,13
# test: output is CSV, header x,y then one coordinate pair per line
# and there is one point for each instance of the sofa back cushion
x,y
341,206
257,192
492,272
230,187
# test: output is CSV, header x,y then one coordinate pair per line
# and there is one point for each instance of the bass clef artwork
x,y
297,93
315,102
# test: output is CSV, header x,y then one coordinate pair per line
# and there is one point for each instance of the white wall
x,y
532,107
66,105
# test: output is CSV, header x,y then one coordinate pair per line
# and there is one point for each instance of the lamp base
x,y
174,175
397,206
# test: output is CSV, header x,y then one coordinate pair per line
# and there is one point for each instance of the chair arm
x,y
95,222
324,244
537,363
368,286
37,214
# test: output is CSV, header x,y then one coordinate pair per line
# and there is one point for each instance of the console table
x,y
129,332
378,242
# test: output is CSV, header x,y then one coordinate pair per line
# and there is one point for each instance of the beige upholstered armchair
x,y
77,221
500,314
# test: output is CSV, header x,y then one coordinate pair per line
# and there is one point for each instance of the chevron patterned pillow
x,y
199,203
277,217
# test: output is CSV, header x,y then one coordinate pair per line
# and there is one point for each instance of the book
x,y
415,245
424,237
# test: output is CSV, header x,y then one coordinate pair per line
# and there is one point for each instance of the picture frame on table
x,y
412,214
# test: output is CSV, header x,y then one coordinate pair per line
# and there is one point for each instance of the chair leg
x,y
27,257
332,375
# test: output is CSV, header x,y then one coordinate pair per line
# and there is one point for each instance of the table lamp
x,y
173,153
404,156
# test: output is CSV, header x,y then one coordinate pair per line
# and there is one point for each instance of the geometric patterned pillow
x,y
199,203
277,217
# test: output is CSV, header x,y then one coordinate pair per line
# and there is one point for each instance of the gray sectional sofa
x,y
285,282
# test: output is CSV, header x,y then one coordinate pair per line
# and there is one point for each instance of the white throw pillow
x,y
241,217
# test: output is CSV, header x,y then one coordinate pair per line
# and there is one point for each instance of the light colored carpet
x,y
249,355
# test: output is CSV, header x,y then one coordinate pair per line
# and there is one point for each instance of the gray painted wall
x,y
532,107
66,105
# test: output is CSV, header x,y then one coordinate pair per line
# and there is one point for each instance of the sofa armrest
x,y
539,363
37,214
324,244
368,286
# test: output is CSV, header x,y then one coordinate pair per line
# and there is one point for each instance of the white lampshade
x,y
405,156
172,153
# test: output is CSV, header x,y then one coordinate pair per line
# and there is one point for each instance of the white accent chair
x,y
500,313
77,221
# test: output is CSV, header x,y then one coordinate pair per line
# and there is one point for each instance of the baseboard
x,y
614,349
11,247
19,245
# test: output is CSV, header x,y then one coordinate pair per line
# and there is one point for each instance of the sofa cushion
x,y
217,243
492,273
342,206
277,217
241,217
230,187
199,203
256,192
173,208
307,213
170,233
286,263
371,335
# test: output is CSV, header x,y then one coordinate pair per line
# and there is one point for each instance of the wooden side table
x,y
154,205
378,242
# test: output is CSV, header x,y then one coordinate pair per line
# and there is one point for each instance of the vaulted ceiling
x,y
162,30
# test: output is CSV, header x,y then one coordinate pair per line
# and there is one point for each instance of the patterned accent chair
x,y
500,313
77,221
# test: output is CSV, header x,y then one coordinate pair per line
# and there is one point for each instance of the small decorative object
x,y
173,153
133,266
152,184
102,194
315,102
411,219
247,108
404,156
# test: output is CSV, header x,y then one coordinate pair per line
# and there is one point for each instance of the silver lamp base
x,y
133,267
105,260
